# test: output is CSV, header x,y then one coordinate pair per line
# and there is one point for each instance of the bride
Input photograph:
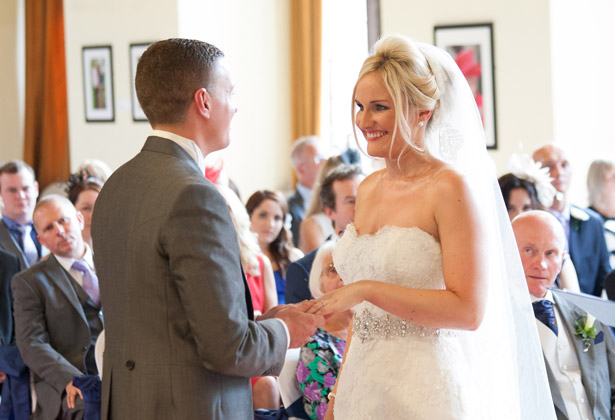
x,y
443,327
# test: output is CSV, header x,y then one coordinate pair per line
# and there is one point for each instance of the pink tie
x,y
90,281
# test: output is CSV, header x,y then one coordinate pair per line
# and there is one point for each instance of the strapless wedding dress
x,y
395,369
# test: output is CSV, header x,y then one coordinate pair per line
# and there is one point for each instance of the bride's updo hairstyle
x,y
414,81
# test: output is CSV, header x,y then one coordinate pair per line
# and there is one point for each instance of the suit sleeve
x,y
205,264
610,354
33,338
296,283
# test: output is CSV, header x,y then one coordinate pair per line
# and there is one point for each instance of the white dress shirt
x,y
561,357
67,264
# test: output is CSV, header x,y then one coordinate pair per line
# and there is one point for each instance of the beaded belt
x,y
367,326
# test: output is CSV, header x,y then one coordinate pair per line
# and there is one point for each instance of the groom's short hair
x,y
168,74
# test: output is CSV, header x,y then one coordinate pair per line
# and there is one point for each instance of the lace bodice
x,y
387,256
394,368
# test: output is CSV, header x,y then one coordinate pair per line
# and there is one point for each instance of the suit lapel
x,y
62,280
6,239
587,360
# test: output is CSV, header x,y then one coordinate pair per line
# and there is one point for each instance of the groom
x,y
180,343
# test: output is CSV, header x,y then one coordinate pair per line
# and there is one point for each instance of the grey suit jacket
x,y
52,331
597,367
179,344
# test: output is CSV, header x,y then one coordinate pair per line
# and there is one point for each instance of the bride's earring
x,y
421,123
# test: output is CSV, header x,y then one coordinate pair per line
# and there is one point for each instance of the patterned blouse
x,y
321,358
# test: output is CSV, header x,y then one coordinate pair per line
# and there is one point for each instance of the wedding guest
x,y
18,237
83,192
580,368
316,228
321,356
57,309
259,276
583,227
305,157
95,168
256,265
268,213
601,188
527,188
338,194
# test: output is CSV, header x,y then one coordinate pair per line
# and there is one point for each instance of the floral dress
x,y
321,358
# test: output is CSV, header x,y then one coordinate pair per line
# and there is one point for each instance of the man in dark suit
x,y
57,311
19,191
16,389
338,195
179,341
306,158
581,372
583,227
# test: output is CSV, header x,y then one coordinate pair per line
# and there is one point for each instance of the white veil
x,y
504,354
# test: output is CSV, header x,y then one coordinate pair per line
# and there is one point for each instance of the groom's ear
x,y
202,100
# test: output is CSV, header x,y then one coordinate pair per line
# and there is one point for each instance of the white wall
x,y
12,79
583,84
521,55
117,23
255,40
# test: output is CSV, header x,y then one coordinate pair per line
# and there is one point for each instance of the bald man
x,y
584,232
582,382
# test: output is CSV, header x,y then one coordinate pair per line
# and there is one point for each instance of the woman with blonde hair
x,y
443,326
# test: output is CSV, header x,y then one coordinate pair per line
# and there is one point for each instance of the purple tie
x,y
90,281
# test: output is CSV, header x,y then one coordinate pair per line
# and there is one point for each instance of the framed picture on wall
x,y
472,48
98,83
136,50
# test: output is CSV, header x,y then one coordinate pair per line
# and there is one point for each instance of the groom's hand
x,y
300,324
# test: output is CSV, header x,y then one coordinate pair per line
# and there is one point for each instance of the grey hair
x,y
595,180
315,283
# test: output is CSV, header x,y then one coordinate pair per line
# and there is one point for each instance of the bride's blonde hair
x,y
412,78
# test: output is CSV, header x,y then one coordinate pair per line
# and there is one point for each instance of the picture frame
x,y
98,83
136,50
472,48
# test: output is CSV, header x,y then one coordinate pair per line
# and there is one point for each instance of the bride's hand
x,y
339,300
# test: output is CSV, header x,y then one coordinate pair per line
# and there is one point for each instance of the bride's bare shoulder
x,y
450,182
372,180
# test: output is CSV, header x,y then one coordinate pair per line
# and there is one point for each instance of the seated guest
x,y
583,227
601,188
15,402
257,267
527,188
18,191
94,168
338,194
321,356
57,311
83,194
268,213
316,227
259,276
306,158
581,371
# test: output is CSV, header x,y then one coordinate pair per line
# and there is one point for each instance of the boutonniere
x,y
585,330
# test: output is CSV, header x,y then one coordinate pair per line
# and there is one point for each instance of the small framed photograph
x,y
98,83
136,50
472,48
